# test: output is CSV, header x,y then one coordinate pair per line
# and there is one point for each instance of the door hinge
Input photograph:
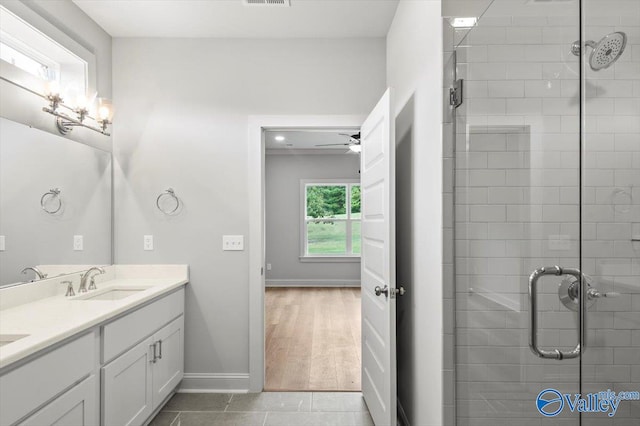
x,y
456,93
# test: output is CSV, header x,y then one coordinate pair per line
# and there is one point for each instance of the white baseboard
x,y
214,383
311,283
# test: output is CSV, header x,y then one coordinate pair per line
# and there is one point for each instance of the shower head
x,y
605,52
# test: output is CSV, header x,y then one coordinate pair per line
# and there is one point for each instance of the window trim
x,y
304,256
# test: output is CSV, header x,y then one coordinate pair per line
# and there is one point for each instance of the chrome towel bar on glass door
x,y
533,306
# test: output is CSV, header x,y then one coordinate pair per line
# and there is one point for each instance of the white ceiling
x,y
295,140
232,18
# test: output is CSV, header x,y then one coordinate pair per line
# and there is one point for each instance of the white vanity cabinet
x,y
138,381
117,372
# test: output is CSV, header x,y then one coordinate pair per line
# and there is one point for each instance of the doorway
x,y
312,260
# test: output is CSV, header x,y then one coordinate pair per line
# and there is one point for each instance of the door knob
x,y
400,291
380,290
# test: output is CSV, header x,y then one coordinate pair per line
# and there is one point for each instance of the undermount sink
x,y
5,339
115,293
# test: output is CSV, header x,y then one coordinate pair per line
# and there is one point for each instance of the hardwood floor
x,y
312,339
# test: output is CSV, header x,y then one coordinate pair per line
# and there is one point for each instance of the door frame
x,y
256,191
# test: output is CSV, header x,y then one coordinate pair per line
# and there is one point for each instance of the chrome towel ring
x,y
169,192
52,195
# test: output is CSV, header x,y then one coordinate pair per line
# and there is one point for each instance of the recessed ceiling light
x,y
463,22
280,138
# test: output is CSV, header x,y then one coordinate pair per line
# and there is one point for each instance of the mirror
x,y
55,204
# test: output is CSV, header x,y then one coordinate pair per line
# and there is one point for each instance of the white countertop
x,y
49,320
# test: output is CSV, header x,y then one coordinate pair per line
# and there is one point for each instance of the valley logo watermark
x,y
550,402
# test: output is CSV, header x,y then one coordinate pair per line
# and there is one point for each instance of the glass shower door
x,y
517,211
611,204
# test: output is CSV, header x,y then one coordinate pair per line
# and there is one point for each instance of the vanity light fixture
x,y
65,123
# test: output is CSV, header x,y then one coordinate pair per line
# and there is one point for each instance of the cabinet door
x,y
169,367
127,395
76,407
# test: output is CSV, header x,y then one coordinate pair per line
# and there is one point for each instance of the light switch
x,y
232,242
2,246
148,242
78,242
268,266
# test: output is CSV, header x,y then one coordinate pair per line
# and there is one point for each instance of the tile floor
x,y
265,409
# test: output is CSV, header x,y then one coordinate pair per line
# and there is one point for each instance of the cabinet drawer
x,y
76,407
31,385
125,332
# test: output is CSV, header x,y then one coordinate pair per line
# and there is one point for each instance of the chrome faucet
x,y
84,277
37,271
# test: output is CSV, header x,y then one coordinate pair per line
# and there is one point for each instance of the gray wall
x,y
183,107
414,70
283,175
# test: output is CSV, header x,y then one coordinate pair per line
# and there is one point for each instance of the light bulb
x,y
84,102
103,113
53,88
105,110
280,138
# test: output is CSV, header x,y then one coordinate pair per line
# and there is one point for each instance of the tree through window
x,y
332,219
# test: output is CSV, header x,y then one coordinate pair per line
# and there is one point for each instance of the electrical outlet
x,y
268,266
148,242
2,246
78,242
233,242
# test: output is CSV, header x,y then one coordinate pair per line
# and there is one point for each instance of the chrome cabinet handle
x,y
385,290
533,306
160,349
153,348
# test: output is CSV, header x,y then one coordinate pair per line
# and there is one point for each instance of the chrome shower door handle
x,y
533,307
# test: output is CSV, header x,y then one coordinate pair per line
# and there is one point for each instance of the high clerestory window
x,y
331,225
33,59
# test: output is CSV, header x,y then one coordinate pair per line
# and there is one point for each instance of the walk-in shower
x,y
542,213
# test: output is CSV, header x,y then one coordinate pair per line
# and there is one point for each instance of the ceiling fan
x,y
353,144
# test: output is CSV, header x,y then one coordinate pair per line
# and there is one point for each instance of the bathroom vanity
x,y
110,356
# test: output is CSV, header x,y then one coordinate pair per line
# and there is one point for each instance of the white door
x,y
378,263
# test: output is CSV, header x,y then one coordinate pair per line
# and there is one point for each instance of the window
x,y
31,58
331,225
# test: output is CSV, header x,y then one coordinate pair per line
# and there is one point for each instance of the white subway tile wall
x,y
522,193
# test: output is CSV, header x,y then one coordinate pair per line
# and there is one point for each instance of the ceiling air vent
x,y
285,3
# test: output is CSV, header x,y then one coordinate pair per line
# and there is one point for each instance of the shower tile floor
x,y
265,409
